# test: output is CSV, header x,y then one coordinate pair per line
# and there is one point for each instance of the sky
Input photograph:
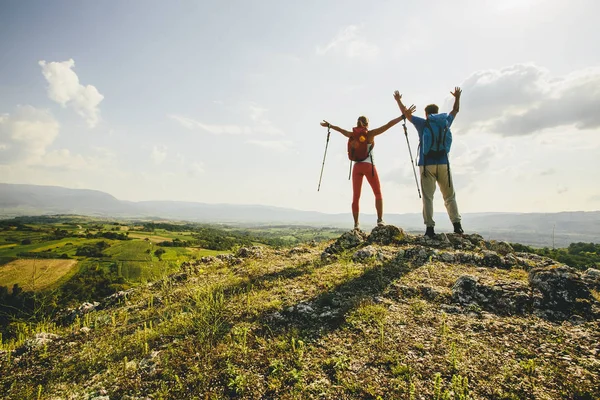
x,y
220,102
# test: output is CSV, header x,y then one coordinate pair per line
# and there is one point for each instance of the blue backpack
x,y
437,137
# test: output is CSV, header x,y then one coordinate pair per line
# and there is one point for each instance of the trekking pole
x,y
324,155
350,171
411,157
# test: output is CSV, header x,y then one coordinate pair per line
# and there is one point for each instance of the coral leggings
x,y
370,172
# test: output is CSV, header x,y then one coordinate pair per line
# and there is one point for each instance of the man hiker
x,y
360,150
435,139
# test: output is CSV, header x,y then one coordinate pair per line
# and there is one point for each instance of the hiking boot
x,y
356,227
429,232
380,222
458,228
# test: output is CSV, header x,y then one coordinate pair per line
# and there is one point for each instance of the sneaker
x,y
380,222
458,228
429,232
356,227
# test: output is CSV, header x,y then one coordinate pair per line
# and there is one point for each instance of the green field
x,y
82,258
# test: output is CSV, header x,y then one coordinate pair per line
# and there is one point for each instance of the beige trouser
x,y
438,173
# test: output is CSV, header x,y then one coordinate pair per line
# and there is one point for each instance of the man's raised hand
x,y
457,92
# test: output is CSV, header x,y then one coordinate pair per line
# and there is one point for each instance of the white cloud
x,y
25,135
65,89
277,145
194,169
523,99
257,114
159,153
350,43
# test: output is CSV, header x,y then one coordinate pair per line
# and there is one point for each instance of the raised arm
x,y
393,122
336,128
381,129
456,94
407,112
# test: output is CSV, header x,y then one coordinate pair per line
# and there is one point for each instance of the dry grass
x,y
35,274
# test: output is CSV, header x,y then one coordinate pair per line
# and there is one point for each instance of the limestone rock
x,y
386,235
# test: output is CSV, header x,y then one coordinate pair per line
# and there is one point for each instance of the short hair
x,y
364,120
431,109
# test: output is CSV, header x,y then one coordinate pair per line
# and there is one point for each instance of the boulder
x,y
347,241
563,292
364,254
386,235
592,278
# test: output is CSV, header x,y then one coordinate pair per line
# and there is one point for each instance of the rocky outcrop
x,y
502,298
386,235
347,241
554,293
250,252
563,292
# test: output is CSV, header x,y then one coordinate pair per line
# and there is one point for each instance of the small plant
x,y
337,365
460,387
444,329
237,381
529,368
417,306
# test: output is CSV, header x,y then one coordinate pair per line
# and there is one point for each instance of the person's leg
x,y
357,178
373,180
428,179
444,179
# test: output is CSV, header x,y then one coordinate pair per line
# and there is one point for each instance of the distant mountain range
x,y
537,229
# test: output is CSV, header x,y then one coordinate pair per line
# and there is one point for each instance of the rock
x,y
405,291
37,341
347,241
446,257
229,259
364,254
464,290
252,252
563,291
116,298
298,250
428,293
148,365
327,257
529,260
491,259
460,243
69,315
502,298
510,261
591,276
502,248
386,235
208,259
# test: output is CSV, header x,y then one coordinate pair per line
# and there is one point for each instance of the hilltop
x,y
535,229
379,315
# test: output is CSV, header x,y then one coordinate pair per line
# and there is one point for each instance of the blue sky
x,y
220,102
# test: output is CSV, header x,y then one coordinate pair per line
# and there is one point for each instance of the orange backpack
x,y
358,144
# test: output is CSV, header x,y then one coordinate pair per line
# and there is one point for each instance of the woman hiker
x,y
360,150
